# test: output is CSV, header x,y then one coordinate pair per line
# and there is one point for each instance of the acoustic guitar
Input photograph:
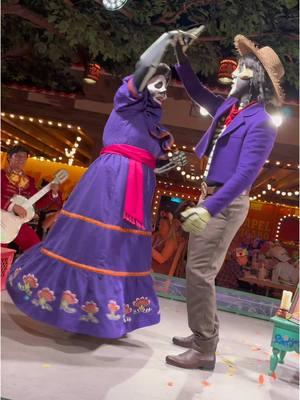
x,y
11,223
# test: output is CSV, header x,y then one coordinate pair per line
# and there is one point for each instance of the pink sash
x,y
134,196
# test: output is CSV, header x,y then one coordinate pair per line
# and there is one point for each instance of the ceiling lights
x,y
113,5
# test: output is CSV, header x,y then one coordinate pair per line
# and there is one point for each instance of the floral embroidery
x,y
113,308
90,308
127,311
68,298
30,282
44,296
141,305
13,275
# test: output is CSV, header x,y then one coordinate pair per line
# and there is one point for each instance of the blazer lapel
x,y
201,147
239,119
234,124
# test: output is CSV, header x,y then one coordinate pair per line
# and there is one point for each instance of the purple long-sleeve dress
x,y
92,273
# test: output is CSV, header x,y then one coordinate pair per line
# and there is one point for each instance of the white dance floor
x,y
43,363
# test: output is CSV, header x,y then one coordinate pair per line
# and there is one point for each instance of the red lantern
x,y
227,67
93,73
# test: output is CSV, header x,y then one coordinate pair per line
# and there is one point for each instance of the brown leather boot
x,y
192,359
186,341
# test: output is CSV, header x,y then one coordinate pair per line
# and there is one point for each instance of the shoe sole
x,y
209,366
178,343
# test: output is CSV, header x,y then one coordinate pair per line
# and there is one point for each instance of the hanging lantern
x,y
93,73
227,67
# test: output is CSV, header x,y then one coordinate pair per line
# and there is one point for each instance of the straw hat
x,y
269,60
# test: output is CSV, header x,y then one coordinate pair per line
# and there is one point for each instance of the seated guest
x,y
14,181
165,243
284,270
231,270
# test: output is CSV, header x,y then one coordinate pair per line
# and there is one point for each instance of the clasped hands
x,y
195,219
185,38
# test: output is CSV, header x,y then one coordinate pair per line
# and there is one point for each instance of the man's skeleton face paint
x,y
157,87
241,81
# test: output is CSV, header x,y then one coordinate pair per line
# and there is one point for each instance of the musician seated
x,y
165,243
14,181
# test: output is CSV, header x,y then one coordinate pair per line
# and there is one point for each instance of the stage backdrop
x,y
262,222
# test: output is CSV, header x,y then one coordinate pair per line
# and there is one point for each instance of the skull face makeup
x,y
157,87
241,81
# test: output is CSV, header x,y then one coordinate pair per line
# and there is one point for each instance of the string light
x,y
278,192
172,193
284,217
69,153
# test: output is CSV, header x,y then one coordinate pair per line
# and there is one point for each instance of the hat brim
x,y
245,46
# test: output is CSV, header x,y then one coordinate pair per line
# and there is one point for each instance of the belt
x,y
213,189
209,190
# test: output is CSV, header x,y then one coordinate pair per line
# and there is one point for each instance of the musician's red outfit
x,y
21,184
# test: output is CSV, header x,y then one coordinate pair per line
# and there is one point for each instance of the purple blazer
x,y
241,150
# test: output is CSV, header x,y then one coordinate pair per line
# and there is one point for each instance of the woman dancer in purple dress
x,y
92,273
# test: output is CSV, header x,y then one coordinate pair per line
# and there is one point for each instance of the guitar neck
x,y
36,197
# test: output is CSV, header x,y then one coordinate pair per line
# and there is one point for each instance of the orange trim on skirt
x,y
91,268
103,225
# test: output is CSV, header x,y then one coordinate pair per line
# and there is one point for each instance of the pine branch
x,y
171,17
14,8
69,3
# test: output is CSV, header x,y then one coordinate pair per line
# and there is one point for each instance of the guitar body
x,y
22,201
11,223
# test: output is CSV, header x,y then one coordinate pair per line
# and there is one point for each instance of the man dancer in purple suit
x,y
237,144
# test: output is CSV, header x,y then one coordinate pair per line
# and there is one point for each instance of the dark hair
x,y
165,70
18,149
261,87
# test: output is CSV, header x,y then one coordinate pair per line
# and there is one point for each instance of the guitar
x,y
11,223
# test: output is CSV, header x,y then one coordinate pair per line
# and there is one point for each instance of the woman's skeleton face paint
x,y
157,87
241,81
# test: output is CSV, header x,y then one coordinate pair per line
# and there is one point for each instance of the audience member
x,y
165,243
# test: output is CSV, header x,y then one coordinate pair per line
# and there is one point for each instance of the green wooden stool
x,y
285,338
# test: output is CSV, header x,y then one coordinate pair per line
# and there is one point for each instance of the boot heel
x,y
208,365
